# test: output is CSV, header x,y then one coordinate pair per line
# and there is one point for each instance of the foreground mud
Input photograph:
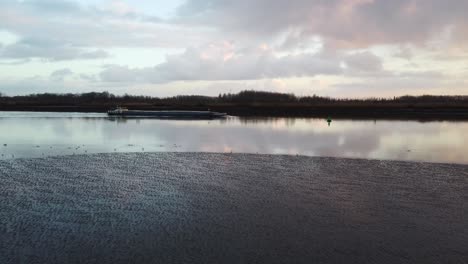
x,y
231,208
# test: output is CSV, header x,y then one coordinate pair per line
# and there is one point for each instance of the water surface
x,y
231,208
26,134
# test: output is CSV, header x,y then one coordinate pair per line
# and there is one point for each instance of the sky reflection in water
x,y
50,134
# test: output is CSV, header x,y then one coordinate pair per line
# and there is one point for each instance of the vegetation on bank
x,y
244,97
245,103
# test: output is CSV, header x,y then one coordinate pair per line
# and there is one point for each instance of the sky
x,y
338,48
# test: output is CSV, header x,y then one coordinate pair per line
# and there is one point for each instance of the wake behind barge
x,y
124,112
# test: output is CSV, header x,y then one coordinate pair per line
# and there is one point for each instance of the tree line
x,y
244,97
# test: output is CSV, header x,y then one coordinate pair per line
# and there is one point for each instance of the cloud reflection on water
x,y
60,134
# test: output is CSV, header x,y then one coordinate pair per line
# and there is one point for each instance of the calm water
x,y
231,208
25,134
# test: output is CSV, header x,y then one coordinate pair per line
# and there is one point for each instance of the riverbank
x,y
231,208
390,112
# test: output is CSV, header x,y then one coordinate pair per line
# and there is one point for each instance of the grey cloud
x,y
226,63
48,49
402,83
60,75
53,6
57,30
90,26
342,23
95,54
15,62
153,19
364,61
88,77
450,56
347,23
37,84
404,52
117,73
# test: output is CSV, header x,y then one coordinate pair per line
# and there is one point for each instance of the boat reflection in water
x,y
167,114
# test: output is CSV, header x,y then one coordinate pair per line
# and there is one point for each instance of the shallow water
x,y
26,134
231,208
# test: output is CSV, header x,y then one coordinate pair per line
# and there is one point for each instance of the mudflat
x,y
231,208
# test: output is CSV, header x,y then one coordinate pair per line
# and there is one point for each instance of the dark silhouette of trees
x,y
257,97
248,103
244,97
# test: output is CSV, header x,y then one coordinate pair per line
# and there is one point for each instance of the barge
x,y
124,112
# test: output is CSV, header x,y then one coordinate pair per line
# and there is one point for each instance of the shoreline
x,y
336,112
355,159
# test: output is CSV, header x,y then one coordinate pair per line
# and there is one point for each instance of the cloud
x,y
345,23
404,52
88,77
60,75
52,6
227,62
16,62
94,27
402,83
117,73
224,61
49,49
335,42
48,29
341,23
364,62
121,8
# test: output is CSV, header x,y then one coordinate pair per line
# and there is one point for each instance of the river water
x,y
26,135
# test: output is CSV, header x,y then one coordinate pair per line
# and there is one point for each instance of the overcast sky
x,y
341,48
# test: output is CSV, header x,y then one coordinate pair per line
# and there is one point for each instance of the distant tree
x,y
243,97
